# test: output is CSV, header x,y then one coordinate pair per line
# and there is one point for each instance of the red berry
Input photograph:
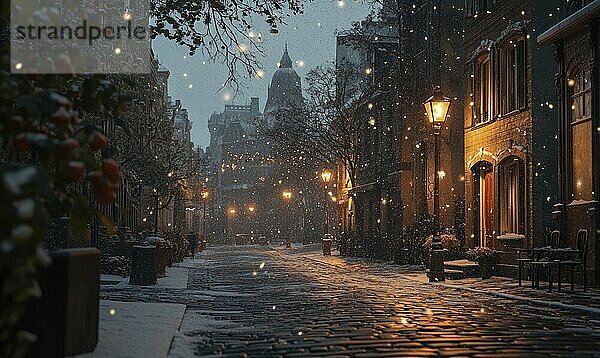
x,y
68,145
75,170
110,168
97,141
22,142
61,117
105,192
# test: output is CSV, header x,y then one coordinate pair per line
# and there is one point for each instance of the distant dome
x,y
285,89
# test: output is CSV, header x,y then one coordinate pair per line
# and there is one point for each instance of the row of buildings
x,y
159,163
520,148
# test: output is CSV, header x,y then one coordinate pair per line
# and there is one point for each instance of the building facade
x,y
509,126
576,51
390,205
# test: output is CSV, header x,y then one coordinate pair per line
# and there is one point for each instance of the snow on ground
x,y
136,329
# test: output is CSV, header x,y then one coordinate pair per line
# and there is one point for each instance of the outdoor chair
x,y
580,259
544,257
526,256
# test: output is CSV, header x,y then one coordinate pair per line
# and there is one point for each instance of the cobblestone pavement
x,y
250,301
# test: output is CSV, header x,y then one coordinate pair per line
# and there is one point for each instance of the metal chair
x,y
548,260
525,257
579,260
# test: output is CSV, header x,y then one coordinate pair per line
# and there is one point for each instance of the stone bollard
x,y
143,265
326,246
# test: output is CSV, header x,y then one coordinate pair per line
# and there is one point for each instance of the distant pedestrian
x,y
193,243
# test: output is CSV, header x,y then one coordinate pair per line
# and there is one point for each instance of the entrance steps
x,y
458,269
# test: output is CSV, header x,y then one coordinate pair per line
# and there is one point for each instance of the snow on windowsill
x,y
511,237
582,202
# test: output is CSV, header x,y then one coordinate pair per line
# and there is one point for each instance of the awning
x,y
571,23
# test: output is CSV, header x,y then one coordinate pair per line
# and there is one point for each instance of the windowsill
x,y
577,202
511,237
581,120
482,124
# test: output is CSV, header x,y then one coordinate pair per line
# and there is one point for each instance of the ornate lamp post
x,y
204,194
437,109
286,195
326,177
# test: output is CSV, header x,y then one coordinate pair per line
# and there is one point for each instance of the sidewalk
x,y
587,302
141,329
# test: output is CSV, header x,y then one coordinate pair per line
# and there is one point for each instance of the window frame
x,y
512,82
484,60
511,196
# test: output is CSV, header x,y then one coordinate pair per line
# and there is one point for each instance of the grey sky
x,y
311,42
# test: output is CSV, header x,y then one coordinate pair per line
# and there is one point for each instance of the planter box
x,y
65,318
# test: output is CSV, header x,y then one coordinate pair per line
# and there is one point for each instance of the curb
x,y
531,301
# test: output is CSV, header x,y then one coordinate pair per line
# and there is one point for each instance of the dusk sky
x,y
311,42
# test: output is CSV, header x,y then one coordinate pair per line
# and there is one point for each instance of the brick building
x,y
509,126
575,43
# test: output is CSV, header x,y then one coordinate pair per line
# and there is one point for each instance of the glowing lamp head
x,y
251,208
326,176
437,108
204,194
232,211
286,195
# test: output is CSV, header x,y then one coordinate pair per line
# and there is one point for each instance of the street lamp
x,y
286,195
204,194
437,110
251,210
326,177
231,212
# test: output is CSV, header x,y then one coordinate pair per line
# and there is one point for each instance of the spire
x,y
285,62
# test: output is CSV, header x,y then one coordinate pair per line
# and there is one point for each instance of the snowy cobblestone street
x,y
251,301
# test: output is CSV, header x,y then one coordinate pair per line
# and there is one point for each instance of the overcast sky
x,y
311,42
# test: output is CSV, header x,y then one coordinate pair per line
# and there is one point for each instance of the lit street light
x,y
286,195
204,194
437,110
326,177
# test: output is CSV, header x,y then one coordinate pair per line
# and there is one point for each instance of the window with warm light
x,y
579,91
513,72
482,89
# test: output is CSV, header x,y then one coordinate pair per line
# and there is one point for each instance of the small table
x,y
554,256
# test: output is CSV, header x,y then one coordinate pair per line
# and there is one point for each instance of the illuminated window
x,y
513,72
510,192
482,90
579,91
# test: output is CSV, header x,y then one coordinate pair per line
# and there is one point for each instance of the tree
x,y
327,126
221,30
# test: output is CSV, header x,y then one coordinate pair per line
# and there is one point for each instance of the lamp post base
x,y
436,267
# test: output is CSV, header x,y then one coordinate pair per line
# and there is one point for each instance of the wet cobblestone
x,y
295,307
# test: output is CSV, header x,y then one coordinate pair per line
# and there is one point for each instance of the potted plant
x,y
486,258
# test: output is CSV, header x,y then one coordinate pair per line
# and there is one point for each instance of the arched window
x,y
511,196
513,73
579,91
